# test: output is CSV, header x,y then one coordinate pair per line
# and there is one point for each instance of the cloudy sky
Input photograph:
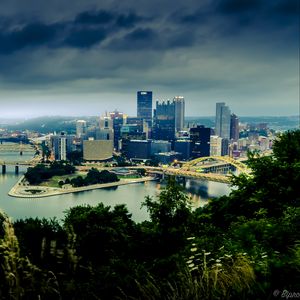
x,y
83,57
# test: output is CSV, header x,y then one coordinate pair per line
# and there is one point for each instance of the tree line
x,y
93,176
39,173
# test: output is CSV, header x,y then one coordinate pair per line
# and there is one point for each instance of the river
x,y
132,195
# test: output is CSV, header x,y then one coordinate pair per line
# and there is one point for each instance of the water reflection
x,y
132,195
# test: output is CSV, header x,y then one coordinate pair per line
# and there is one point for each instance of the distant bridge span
x,y
237,164
192,174
31,162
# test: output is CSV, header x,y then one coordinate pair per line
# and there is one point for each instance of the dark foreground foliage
x,y
242,246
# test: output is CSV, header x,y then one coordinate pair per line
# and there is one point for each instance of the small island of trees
x,y
93,177
40,173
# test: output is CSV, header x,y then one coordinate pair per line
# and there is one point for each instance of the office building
x,y
139,149
234,127
164,121
97,150
143,125
118,120
136,121
167,157
130,132
80,128
61,145
183,147
215,145
225,147
160,146
200,138
222,128
105,130
144,105
106,122
179,113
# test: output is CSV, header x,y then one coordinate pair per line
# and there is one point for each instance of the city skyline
x,y
84,57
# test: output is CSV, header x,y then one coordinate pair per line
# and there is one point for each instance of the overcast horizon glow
x,y
84,57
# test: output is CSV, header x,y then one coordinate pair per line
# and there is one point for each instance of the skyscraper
x,y
222,128
234,127
179,112
164,121
118,120
105,130
144,105
61,145
200,141
80,128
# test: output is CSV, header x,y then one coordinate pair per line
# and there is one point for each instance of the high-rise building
x,y
160,146
118,120
141,123
131,132
139,149
234,127
222,128
144,105
80,128
200,138
218,146
215,145
61,145
179,113
225,147
164,121
106,122
184,148
105,130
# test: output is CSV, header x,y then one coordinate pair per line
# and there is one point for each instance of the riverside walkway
x,y
20,190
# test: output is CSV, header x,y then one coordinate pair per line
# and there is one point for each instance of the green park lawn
x,y
53,182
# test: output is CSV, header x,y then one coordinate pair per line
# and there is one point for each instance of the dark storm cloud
x,y
85,38
217,49
239,6
92,17
103,17
198,17
141,34
147,38
31,35
128,20
85,30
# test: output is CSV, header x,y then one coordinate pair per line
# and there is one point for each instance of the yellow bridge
x,y
191,168
188,169
240,166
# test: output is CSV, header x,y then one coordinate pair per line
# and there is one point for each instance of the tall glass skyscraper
x,y
179,112
234,127
164,121
80,128
144,105
223,116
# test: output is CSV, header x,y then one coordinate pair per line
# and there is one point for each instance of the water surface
x,y
132,195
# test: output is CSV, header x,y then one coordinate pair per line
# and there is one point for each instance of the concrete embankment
x,y
28,191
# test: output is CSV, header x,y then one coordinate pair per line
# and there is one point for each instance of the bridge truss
x,y
229,160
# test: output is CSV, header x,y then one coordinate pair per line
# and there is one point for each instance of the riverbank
x,y
20,190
